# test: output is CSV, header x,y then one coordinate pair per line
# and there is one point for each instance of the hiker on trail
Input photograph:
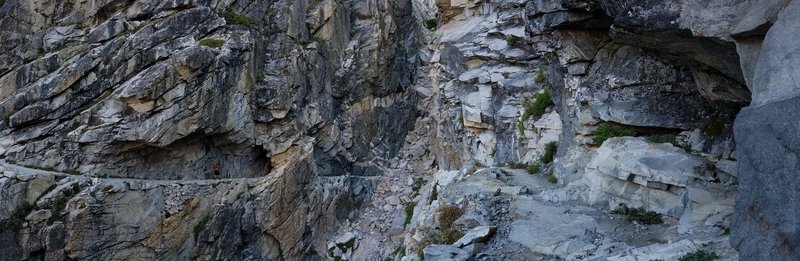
x,y
216,167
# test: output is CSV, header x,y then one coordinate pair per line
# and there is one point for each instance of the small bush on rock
x,y
431,24
540,78
235,18
200,227
536,107
551,177
606,131
639,215
534,168
409,213
549,152
540,102
448,214
699,255
666,138
7,115
515,41
213,43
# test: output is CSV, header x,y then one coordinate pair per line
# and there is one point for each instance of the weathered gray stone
x,y
475,235
765,220
445,252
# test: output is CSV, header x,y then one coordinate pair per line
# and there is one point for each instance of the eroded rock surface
x,y
345,129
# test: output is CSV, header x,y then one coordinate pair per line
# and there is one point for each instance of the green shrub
x,y
448,214
7,115
502,58
665,138
638,214
200,227
418,183
399,251
606,131
540,78
515,41
431,24
549,152
434,193
699,255
213,43
235,18
536,107
517,165
318,39
409,213
260,76
551,177
534,168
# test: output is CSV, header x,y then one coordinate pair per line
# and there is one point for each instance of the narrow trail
x,y
26,171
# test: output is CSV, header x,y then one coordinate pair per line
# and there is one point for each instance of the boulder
x,y
476,235
638,173
445,253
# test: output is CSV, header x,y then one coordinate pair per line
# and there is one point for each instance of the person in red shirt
x,y
216,167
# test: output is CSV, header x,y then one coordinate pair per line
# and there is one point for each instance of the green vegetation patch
x,y
409,213
549,155
540,78
318,39
434,193
534,168
418,183
699,255
606,131
535,107
639,215
431,24
448,214
236,18
7,115
515,41
200,227
665,138
213,43
551,177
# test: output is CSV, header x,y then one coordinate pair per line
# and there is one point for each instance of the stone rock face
x,y
638,173
707,59
766,217
136,90
345,128
300,96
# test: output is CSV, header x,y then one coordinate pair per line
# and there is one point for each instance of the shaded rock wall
x,y
707,59
296,100
129,88
766,218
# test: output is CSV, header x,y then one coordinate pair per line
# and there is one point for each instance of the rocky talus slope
x,y
399,130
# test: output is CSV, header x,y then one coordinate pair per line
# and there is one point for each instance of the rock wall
x,y
707,59
295,99
162,90
766,217
332,117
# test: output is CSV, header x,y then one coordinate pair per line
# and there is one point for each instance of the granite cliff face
x,y
299,95
345,129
